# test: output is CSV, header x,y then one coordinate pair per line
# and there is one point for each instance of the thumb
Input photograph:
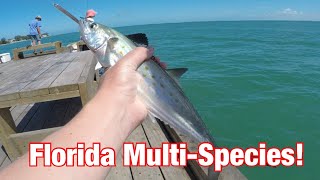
x,y
136,57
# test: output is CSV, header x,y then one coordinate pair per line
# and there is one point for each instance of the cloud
x,y
290,12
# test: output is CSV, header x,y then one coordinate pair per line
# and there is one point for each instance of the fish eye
x,y
92,25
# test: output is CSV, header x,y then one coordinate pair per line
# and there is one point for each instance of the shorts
x,y
35,37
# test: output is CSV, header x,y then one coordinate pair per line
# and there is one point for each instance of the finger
x,y
136,57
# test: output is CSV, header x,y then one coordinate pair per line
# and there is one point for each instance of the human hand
x,y
119,86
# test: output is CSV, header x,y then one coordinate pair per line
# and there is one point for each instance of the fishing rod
x,y
66,12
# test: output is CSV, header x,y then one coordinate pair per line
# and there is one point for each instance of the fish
x,y
160,91
162,95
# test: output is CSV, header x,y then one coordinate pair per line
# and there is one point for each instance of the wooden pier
x,y
35,103
19,53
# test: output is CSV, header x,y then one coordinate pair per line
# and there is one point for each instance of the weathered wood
x,y
68,79
17,71
25,117
38,120
200,172
5,163
22,140
56,114
73,108
17,111
3,155
87,86
197,171
40,85
56,45
12,84
44,53
42,98
155,137
119,172
138,135
7,127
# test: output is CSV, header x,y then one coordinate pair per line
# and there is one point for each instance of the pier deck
x,y
39,107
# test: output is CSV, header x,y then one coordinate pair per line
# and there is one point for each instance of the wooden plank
x,y
73,108
3,155
24,112
17,71
22,140
155,137
17,111
44,53
16,51
57,114
7,127
199,171
41,84
89,71
33,63
5,163
42,98
3,65
20,68
11,91
87,85
11,86
24,118
58,46
68,79
119,172
138,135
38,120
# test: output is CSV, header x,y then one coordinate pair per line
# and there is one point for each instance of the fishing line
x,y
87,4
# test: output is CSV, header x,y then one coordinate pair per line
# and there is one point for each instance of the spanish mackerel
x,y
160,92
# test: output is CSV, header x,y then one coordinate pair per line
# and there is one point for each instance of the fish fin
x,y
139,39
176,73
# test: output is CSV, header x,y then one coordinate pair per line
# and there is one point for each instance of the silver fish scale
x,y
161,94
166,101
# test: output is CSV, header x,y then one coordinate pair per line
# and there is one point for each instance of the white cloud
x,y
290,12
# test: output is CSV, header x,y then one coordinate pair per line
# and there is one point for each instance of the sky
x,y
18,13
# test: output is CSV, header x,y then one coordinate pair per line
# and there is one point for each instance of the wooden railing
x,y
18,52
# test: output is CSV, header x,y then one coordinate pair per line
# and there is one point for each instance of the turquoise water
x,y
250,81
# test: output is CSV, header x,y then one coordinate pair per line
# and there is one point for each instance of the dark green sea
x,y
251,81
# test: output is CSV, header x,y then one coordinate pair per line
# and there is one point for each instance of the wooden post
x,y
15,54
58,47
87,85
7,127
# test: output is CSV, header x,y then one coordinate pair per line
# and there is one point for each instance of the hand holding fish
x,y
120,84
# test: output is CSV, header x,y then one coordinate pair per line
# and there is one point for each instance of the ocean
x,y
251,81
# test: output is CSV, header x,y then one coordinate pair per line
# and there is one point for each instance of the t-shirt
x,y
33,27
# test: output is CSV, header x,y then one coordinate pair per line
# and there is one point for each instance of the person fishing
x,y
35,31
